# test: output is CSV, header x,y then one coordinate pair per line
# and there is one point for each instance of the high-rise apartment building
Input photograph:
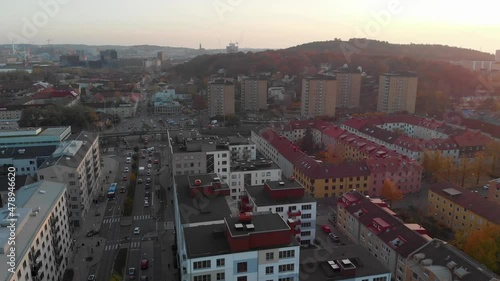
x,y
253,94
319,95
220,97
397,91
348,88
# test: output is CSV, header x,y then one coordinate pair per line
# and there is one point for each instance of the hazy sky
x,y
252,23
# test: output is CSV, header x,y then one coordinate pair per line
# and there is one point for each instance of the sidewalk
x,y
86,247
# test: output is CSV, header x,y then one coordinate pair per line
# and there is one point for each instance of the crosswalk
x,y
110,220
143,217
112,247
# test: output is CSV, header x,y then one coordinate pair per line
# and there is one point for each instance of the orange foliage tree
x,y
390,191
484,246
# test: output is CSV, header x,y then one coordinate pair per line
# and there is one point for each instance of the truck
x,y
141,171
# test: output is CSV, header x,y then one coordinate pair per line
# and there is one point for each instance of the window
x,y
206,277
286,267
305,233
287,254
279,209
269,270
286,279
201,264
242,278
269,256
380,279
221,262
221,276
242,267
305,224
306,216
306,207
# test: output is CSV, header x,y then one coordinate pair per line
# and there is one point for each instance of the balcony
x,y
292,223
296,231
292,214
59,260
55,241
37,254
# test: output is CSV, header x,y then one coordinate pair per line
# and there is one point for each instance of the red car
x,y
326,228
144,264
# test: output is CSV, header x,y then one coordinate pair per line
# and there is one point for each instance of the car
x,y
143,156
144,278
149,165
334,237
126,170
150,160
131,273
137,231
146,204
139,181
144,264
148,173
148,185
147,193
122,189
125,178
91,277
326,228
486,186
148,180
92,232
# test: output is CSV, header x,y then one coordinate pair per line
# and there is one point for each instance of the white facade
x,y
261,265
243,151
265,148
276,93
10,115
43,241
83,177
307,218
219,162
238,179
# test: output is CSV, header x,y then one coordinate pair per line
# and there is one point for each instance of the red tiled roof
x,y
355,123
491,129
472,138
52,93
333,131
316,170
470,200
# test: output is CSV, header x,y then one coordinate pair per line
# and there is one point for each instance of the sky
x,y
270,24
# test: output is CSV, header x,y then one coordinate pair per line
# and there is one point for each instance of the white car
x,y
486,186
149,165
146,204
137,231
126,170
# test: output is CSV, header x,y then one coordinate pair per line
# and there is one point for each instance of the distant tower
x,y
200,46
232,48
162,56
497,57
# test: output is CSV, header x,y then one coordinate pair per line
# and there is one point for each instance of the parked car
x,y
146,203
139,181
92,232
334,237
91,277
147,193
144,264
144,278
125,178
122,189
148,180
326,228
126,170
131,273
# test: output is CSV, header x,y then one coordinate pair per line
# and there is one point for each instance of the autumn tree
x,y
479,166
390,191
492,150
464,169
484,246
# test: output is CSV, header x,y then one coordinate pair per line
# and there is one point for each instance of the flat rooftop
x,y
71,152
214,242
261,197
200,208
284,184
40,196
253,165
365,264
260,223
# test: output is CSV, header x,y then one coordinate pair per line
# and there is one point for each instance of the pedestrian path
x,y
111,220
143,217
135,245
111,247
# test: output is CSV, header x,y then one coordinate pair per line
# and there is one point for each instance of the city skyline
x,y
255,24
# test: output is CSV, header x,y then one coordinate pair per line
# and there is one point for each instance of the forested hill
x,y
374,47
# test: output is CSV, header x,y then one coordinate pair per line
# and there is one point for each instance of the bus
x,y
112,191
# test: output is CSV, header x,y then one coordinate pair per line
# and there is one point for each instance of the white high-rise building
x,y
41,234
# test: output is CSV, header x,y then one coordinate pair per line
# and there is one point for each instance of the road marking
x,y
111,247
111,220
143,217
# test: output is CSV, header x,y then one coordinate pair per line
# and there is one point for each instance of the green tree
x,y
136,149
307,142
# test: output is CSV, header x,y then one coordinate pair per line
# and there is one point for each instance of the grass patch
x,y
120,261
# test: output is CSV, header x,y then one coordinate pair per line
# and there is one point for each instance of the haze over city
x,y
254,24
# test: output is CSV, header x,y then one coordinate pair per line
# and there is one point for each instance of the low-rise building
x,y
460,209
493,190
28,137
121,109
26,160
43,243
287,198
344,263
440,261
76,163
372,224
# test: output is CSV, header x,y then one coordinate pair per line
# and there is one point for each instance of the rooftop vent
x,y
426,262
451,265
41,191
333,265
250,226
21,151
282,183
238,226
197,182
461,272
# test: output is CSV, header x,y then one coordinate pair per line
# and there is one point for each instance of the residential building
x,y
402,171
254,93
193,154
342,263
397,91
440,261
162,55
251,172
372,224
220,98
19,181
288,199
43,243
76,163
331,180
349,87
276,93
319,95
26,160
493,190
11,112
471,142
121,109
29,137
460,209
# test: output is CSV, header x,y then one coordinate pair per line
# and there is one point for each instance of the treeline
x,y
375,47
78,117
